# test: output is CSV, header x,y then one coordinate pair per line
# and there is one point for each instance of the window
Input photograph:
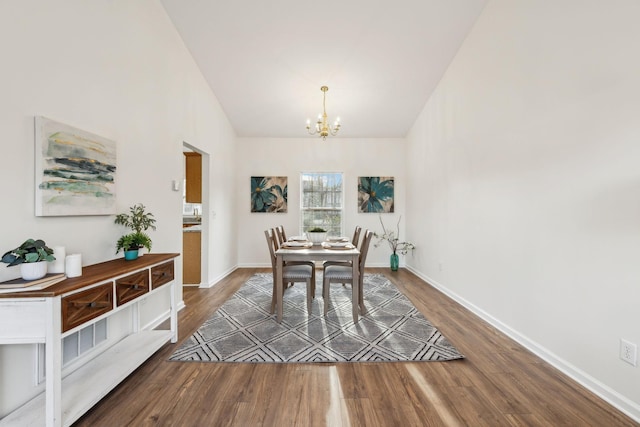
x,y
321,202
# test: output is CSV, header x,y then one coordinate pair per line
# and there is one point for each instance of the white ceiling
x,y
266,60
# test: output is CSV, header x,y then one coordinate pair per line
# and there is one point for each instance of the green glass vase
x,y
394,261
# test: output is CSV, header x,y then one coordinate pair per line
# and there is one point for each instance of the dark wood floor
x,y
499,383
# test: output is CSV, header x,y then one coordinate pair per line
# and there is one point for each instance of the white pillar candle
x,y
57,266
73,265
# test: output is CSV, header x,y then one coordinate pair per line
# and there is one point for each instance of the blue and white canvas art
x,y
75,171
375,194
269,194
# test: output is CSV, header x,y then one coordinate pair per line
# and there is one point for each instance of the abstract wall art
x,y
375,194
75,171
269,194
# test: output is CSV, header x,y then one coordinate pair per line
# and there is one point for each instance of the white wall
x,y
526,158
290,157
120,70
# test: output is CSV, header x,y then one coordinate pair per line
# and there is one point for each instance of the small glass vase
x,y
394,261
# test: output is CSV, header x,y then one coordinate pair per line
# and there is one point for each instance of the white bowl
x,y
316,238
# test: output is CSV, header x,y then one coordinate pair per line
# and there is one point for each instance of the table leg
x,y
279,263
355,299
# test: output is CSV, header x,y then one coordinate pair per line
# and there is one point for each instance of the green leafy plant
x,y
391,237
133,241
30,251
317,230
139,221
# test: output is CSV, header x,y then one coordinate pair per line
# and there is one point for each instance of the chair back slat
x,y
364,249
269,234
281,234
356,236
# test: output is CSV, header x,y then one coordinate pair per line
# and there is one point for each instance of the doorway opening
x,y
195,223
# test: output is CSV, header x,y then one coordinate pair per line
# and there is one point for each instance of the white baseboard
x,y
605,392
154,323
260,265
215,280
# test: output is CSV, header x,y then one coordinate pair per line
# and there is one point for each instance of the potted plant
x,y
317,235
391,237
131,244
139,221
32,256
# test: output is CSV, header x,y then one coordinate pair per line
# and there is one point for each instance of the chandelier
x,y
322,127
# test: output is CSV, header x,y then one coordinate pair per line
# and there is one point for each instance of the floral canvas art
x,y
75,171
375,194
269,194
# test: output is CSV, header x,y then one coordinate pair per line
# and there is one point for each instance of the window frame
x,y
333,230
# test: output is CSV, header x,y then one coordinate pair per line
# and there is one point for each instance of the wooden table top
x,y
94,273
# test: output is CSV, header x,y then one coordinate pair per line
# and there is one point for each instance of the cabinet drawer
x,y
161,274
132,286
86,305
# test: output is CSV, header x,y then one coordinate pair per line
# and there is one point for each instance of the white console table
x,y
43,316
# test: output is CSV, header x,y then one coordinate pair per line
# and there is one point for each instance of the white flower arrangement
x,y
391,237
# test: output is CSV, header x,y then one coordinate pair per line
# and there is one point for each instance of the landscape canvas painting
x,y
75,171
375,194
269,194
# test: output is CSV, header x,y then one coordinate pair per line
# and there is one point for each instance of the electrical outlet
x,y
628,352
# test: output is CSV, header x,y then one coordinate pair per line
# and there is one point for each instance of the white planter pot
x,y
33,270
316,238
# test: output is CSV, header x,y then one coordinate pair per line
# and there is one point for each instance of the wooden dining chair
x,y
354,241
333,273
296,273
280,238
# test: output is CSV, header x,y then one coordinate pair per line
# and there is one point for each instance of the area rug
x,y
242,330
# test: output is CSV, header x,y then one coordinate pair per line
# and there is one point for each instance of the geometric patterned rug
x,y
242,330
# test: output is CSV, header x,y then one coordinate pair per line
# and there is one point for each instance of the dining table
x,y
317,252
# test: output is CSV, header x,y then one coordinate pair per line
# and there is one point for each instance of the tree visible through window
x,y
321,201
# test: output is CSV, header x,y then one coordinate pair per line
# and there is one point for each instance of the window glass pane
x,y
321,202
